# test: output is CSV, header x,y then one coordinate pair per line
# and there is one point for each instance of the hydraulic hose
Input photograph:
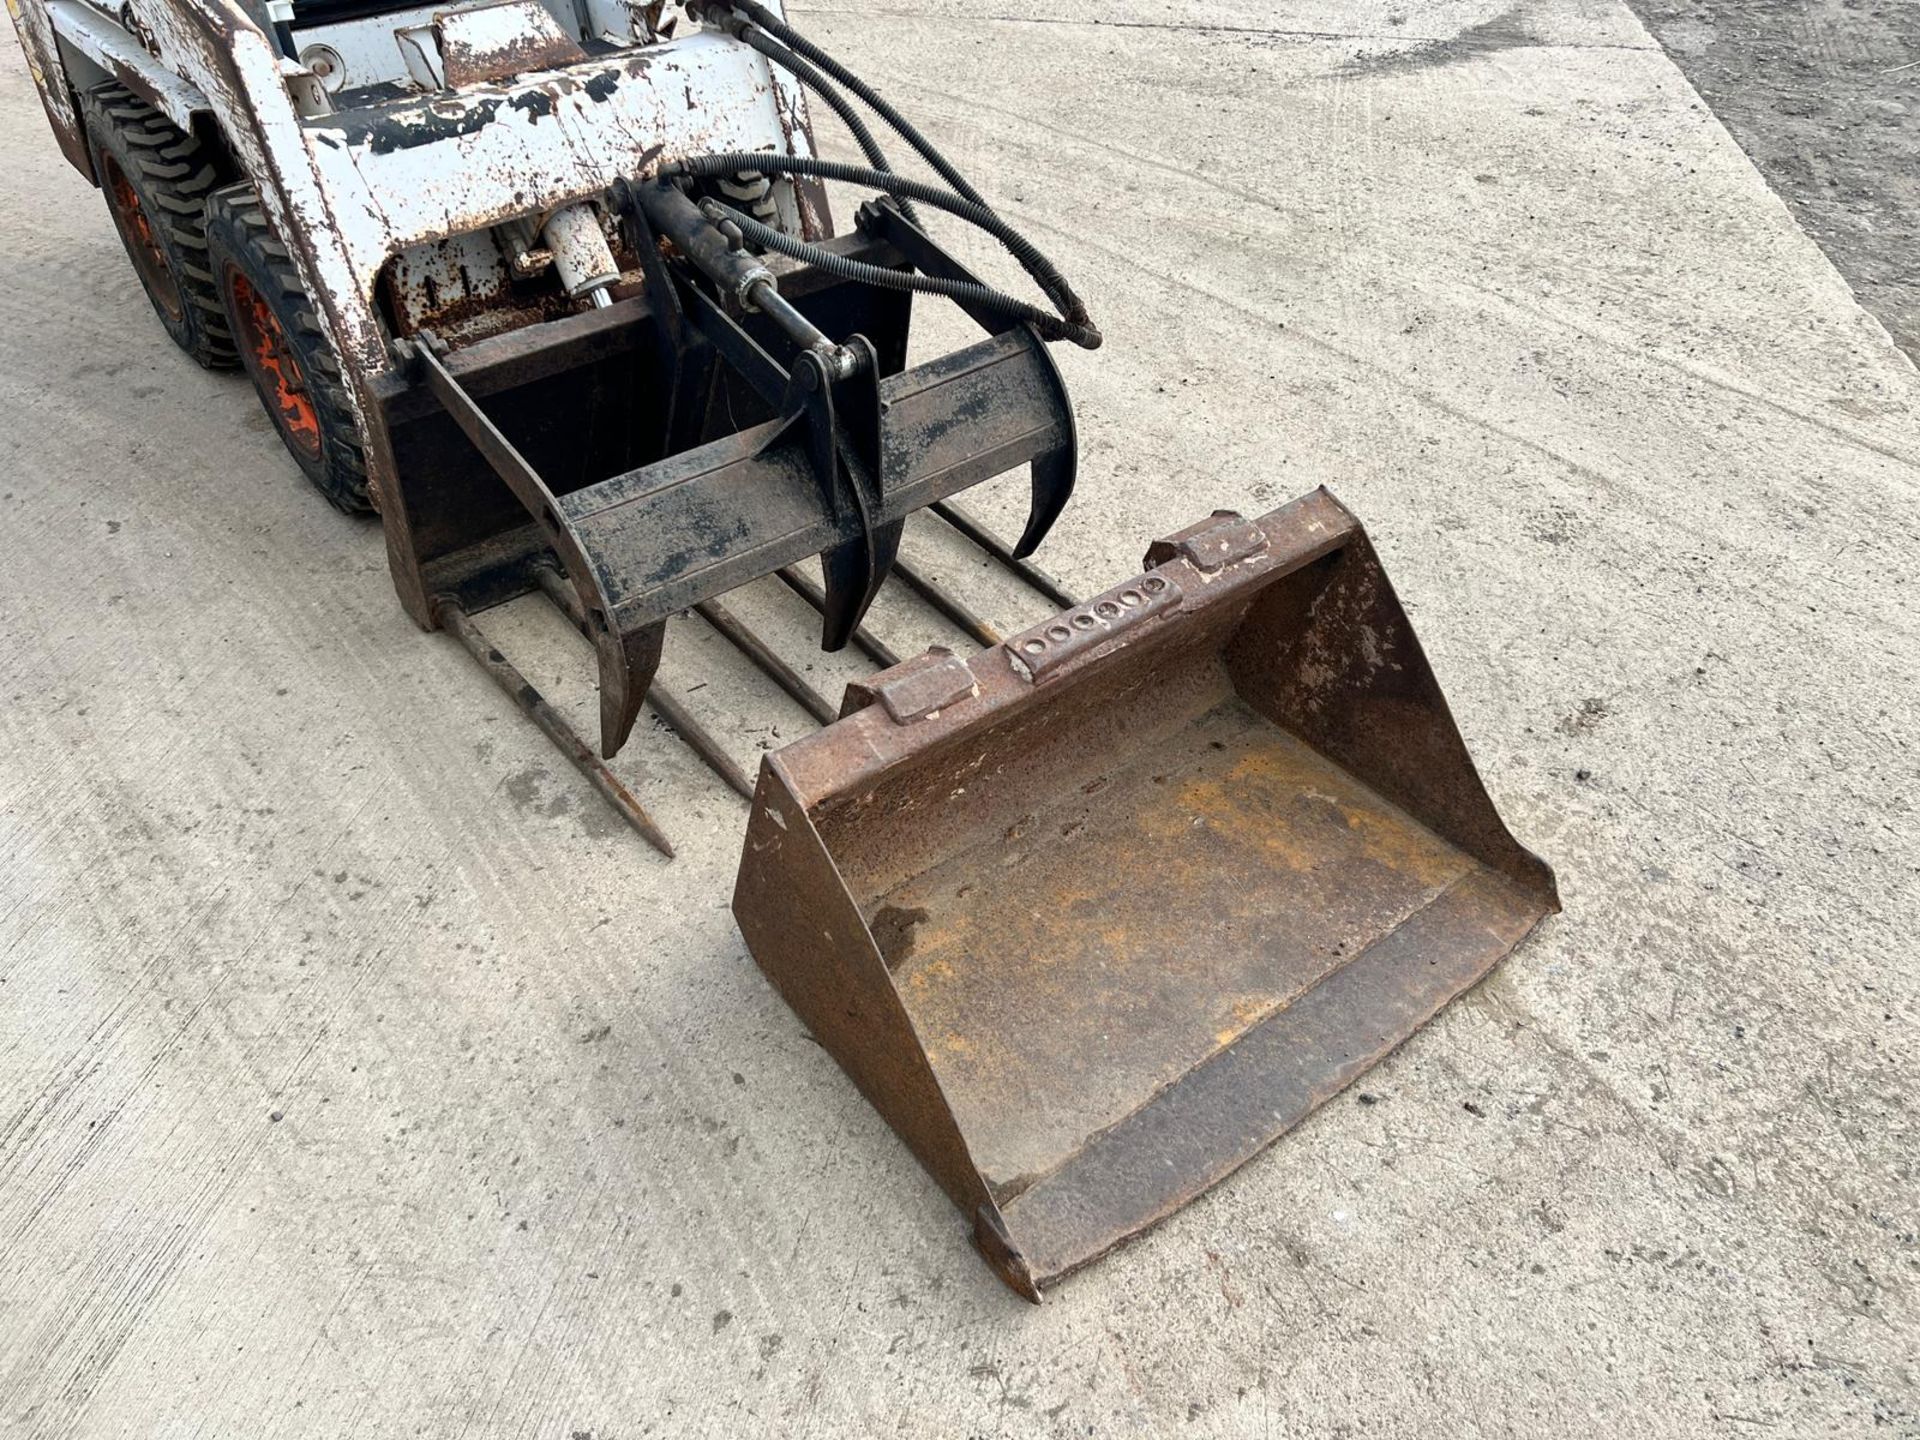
x,y
1072,322
764,31
905,128
810,76
1049,325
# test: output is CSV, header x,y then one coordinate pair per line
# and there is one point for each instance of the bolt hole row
x,y
1109,609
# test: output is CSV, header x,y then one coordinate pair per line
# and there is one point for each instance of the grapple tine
x,y
871,645
1052,487
766,661
628,655
688,728
854,573
627,665
558,589
1053,473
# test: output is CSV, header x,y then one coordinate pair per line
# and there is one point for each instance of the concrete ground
x,y
1824,96
359,1076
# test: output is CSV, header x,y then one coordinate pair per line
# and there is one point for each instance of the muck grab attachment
x,y
842,442
1090,915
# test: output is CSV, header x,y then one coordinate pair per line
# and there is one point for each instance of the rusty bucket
x,y
1094,916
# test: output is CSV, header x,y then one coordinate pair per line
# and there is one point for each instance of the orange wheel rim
x,y
142,244
275,368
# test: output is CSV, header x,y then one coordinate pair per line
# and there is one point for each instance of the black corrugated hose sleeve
x,y
1074,323
794,40
1049,325
811,77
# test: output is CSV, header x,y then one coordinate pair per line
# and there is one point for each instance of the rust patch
x,y
497,42
893,928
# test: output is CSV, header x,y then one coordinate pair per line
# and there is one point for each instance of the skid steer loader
x,y
1091,915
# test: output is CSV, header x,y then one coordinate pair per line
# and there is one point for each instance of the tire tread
x,y
174,171
239,231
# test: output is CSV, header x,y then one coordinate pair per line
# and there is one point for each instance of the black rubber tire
x,y
251,265
168,176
